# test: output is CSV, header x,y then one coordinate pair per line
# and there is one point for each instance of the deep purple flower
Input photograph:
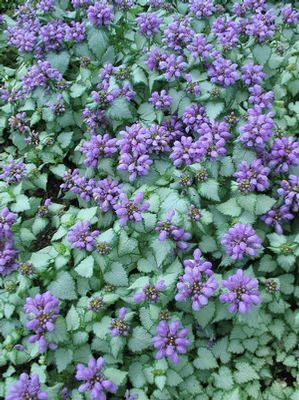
x,y
241,240
154,58
258,130
95,382
52,35
252,74
27,387
118,326
202,8
149,24
261,26
186,152
8,256
136,165
227,32
178,34
75,32
242,292
7,219
128,210
106,194
173,66
194,116
171,340
13,172
150,293
198,262
167,230
100,14
283,153
44,309
160,139
289,191
213,137
289,15
160,101
81,237
260,98
199,47
98,147
222,71
277,216
252,177
40,75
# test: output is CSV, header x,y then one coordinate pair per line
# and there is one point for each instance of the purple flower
x,y
171,340
167,230
213,137
81,237
242,292
191,87
150,293
277,216
156,3
160,101
289,191
227,32
95,119
44,309
43,210
186,152
199,47
100,14
8,255
40,75
178,34
154,58
260,98
52,35
258,130
13,172
197,283
222,71
202,8
252,74
261,26
18,123
289,15
128,210
27,387
194,116
124,4
24,38
98,147
241,240
80,3
118,326
106,194
149,24
173,66
174,127
95,382
252,177
75,32
78,184
45,5
283,153
7,219
194,213
160,139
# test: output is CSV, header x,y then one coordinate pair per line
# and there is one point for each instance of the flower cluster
x,y
81,237
168,230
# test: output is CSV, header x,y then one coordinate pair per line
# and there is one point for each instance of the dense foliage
x,y
149,193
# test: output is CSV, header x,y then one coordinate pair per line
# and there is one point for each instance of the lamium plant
x,y
149,197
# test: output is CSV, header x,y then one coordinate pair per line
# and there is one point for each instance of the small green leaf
x,y
72,319
85,268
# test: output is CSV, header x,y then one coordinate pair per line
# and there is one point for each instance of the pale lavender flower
x,y
283,154
124,4
160,139
44,309
27,387
95,382
118,326
154,58
277,216
171,340
160,101
131,211
43,210
40,75
242,292
149,24
289,191
198,262
106,194
150,293
194,213
78,184
100,14
191,87
227,32
252,177
240,241
252,74
98,147
81,237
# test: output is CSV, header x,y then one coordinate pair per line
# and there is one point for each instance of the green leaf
x,y
205,315
72,319
173,378
205,360
22,204
209,190
245,373
126,244
59,61
77,90
261,53
119,110
117,276
63,358
136,374
230,207
97,42
247,202
140,340
223,379
160,381
214,109
161,250
263,204
63,287
115,375
85,268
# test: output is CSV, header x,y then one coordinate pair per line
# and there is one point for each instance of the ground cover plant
x,y
148,200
